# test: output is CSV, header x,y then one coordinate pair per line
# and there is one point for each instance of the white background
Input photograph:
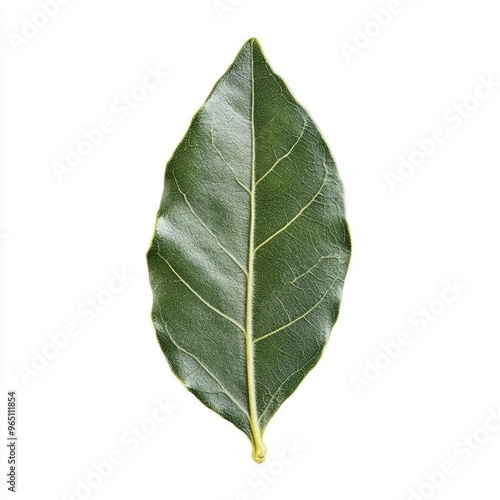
x,y
62,240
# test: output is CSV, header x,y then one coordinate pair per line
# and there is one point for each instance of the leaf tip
x,y
253,42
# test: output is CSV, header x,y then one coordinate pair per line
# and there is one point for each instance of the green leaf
x,y
250,249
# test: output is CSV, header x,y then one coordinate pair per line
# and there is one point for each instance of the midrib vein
x,y
259,449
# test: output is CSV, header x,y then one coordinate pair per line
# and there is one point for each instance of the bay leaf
x,y
250,248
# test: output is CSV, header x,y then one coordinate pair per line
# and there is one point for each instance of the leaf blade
x,y
250,249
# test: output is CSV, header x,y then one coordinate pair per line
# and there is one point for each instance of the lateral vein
x,y
291,221
284,156
279,388
217,150
222,247
228,394
189,287
302,316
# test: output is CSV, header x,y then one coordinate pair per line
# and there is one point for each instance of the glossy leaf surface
x,y
250,249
